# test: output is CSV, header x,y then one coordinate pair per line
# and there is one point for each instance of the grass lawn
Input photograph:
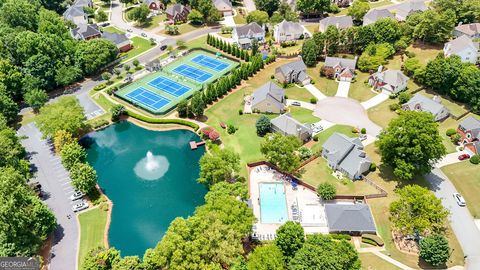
x,y
298,93
360,90
140,45
380,3
381,114
303,115
425,52
292,49
442,129
239,19
92,227
373,262
112,29
312,28
466,178
326,86
184,28
154,22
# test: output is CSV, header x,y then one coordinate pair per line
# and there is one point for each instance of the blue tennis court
x,y
192,73
148,98
165,84
210,62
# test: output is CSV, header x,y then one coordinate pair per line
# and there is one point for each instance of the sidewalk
x,y
343,88
374,101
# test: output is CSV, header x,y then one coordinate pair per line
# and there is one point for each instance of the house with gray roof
x,y
287,125
243,35
86,32
346,155
471,30
293,72
75,12
464,47
403,10
340,68
287,31
354,219
121,40
153,4
469,130
340,22
342,3
225,7
269,98
177,13
421,103
391,81
374,15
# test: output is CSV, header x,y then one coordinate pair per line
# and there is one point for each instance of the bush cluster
x,y
162,121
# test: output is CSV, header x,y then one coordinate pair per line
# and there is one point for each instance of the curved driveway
x,y
345,111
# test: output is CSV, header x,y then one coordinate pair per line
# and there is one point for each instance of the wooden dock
x,y
194,145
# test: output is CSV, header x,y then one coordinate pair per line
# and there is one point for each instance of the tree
x,y
195,17
172,29
386,30
139,14
441,73
62,138
326,191
197,104
313,6
136,63
117,111
284,12
106,76
25,222
219,166
128,263
20,13
431,26
321,252
65,114
72,153
67,75
35,98
267,5
182,108
263,125
411,144
268,257
310,52
101,16
258,16
12,153
84,177
417,210
290,238
332,39
94,54
358,9
281,151
404,97
434,249
8,107
11,79
100,258
467,86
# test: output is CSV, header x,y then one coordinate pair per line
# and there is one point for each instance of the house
x,y
287,31
354,219
471,30
342,3
346,155
75,12
291,3
376,14
469,131
243,35
287,125
269,98
422,103
153,4
464,47
403,10
340,68
121,41
153,65
225,7
86,32
341,22
293,72
392,81
177,13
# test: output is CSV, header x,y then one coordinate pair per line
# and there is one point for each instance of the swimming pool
x,y
273,204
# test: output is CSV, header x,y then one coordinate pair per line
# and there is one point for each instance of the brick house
x,y
469,130
177,13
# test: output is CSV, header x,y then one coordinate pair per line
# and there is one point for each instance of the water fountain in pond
x,y
151,167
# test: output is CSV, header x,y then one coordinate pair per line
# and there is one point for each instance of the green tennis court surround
x,y
160,91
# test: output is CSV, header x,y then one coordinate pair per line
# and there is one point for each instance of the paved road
x,y
343,88
461,220
81,92
249,5
56,186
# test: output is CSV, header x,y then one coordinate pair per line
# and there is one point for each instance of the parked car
x,y
143,35
463,157
296,103
79,206
76,195
362,137
163,47
459,199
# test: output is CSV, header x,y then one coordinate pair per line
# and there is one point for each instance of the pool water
x,y
273,203
150,177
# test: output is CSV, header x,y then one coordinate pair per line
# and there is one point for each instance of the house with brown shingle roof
x,y
472,30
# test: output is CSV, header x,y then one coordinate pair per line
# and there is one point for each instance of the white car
x,y
79,206
459,199
362,137
76,195
296,103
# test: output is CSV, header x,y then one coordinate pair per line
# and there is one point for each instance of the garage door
x,y
227,13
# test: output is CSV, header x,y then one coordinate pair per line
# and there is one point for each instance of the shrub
x,y
475,159
315,138
326,191
341,236
98,123
263,125
410,54
355,130
434,249
375,238
305,153
450,132
404,97
455,138
394,107
369,241
272,76
162,121
313,100
231,129
240,112
117,111
99,86
373,167
363,131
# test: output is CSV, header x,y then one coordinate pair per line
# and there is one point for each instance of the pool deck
x,y
311,207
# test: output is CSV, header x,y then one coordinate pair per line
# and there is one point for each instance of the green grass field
x,y
92,227
140,45
295,92
303,115
327,86
360,90
373,262
112,29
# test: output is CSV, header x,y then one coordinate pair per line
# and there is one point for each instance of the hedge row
x,y
372,239
162,121
341,236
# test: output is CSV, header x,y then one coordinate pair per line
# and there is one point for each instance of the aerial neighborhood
x,y
249,134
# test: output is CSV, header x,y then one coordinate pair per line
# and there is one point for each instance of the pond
x,y
150,177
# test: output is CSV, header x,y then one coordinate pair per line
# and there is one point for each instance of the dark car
x,y
163,47
463,157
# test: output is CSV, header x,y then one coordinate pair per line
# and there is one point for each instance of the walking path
x,y
374,101
315,92
343,88
392,261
